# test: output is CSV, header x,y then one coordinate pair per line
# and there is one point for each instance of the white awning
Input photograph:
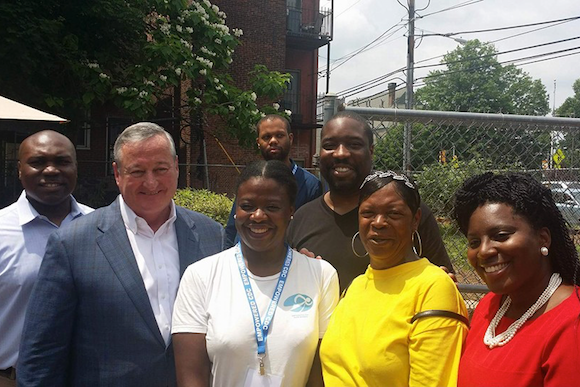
x,y
12,110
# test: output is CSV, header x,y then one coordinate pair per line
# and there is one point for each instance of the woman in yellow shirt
x,y
402,322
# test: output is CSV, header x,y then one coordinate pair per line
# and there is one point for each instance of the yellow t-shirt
x,y
370,340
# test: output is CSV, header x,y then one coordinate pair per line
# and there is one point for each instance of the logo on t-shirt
x,y
299,302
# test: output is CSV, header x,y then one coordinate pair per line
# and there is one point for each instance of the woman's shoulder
x,y
210,263
313,264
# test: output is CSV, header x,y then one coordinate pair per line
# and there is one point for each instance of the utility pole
x,y
328,47
410,81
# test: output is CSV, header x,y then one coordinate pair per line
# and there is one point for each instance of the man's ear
x,y
116,172
291,137
19,171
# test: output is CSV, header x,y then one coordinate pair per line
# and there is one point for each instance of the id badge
x,y
254,379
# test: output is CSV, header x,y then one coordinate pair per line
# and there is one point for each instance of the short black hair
x,y
271,169
269,117
358,118
528,199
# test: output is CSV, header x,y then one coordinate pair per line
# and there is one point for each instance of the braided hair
x,y
528,199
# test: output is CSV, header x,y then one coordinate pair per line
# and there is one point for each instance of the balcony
x,y
302,107
308,28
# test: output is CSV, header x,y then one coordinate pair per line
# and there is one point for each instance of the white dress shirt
x,y
157,257
23,236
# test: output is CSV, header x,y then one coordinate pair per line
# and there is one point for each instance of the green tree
x,y
571,106
475,81
72,56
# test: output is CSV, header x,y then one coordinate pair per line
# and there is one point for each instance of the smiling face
x,y
263,211
386,225
47,168
147,178
505,250
274,140
345,155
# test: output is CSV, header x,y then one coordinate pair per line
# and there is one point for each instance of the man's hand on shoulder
x,y
451,275
309,253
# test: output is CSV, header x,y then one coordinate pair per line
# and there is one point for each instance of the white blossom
x,y
178,71
93,65
163,77
103,76
189,29
238,32
179,28
203,72
186,43
215,8
254,112
288,112
143,94
165,28
149,83
276,106
262,114
197,101
253,96
231,108
121,90
218,41
207,52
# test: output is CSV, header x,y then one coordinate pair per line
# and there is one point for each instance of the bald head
x,y
47,167
47,137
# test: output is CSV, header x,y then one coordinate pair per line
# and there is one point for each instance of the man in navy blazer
x,y
100,312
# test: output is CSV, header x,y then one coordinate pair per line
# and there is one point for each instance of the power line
x,y
460,5
449,34
498,53
513,61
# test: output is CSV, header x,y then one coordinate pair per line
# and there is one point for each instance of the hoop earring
x,y
353,249
420,253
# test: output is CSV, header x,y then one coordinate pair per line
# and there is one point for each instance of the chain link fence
x,y
441,149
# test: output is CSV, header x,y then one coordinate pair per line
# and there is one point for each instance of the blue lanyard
x,y
294,169
262,327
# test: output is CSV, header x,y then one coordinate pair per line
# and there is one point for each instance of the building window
x,y
291,99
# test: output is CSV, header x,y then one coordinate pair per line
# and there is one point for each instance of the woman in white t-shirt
x,y
253,315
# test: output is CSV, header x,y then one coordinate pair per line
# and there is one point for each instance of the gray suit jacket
x,y
89,321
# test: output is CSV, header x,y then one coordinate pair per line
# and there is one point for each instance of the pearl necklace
x,y
491,340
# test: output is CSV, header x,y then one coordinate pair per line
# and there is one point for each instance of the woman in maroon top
x,y
526,332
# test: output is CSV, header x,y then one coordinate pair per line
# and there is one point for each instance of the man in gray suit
x,y
100,313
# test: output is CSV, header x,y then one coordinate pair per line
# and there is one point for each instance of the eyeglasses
x,y
393,175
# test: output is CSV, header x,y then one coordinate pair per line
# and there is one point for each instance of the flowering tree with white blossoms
x,y
73,56
189,43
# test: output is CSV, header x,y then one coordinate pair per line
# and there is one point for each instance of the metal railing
x,y
448,147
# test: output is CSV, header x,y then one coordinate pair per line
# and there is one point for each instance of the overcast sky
x,y
359,22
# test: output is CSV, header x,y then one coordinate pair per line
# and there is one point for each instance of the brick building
x,y
283,35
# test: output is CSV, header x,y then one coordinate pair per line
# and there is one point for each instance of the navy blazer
x,y
89,321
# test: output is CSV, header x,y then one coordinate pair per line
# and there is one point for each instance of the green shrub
x,y
216,206
438,183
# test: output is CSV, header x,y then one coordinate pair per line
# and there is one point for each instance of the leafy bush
x,y
216,206
438,183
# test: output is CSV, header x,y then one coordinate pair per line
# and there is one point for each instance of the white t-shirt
x,y
211,300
